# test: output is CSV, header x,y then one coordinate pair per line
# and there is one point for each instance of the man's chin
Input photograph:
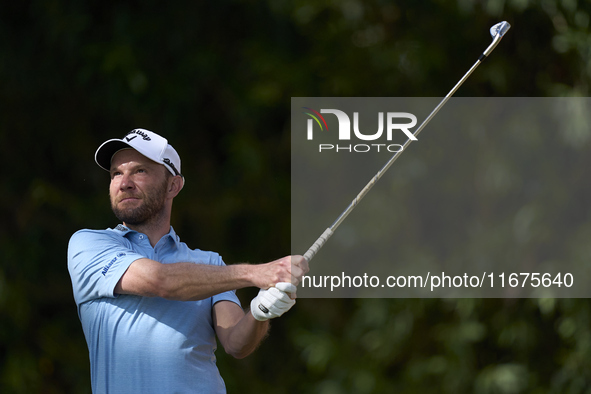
x,y
137,211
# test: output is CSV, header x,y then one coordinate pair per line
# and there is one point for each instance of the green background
x,y
216,79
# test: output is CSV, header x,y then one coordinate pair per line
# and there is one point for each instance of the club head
x,y
500,29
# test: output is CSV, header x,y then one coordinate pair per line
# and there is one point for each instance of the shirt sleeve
x,y
96,262
226,295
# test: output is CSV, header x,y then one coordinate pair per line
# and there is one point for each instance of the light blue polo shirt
x,y
142,344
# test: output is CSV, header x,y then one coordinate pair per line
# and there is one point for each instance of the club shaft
x,y
385,168
309,255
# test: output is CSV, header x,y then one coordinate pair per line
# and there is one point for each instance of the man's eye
x,y
114,174
141,170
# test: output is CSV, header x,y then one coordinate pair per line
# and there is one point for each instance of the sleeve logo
x,y
106,267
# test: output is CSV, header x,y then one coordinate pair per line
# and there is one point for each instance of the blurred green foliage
x,y
216,79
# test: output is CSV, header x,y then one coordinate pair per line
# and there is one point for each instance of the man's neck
x,y
153,230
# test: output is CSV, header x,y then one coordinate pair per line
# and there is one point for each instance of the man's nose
x,y
126,182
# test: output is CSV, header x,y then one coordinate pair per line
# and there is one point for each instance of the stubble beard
x,y
150,210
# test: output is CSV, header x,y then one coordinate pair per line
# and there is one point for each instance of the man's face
x,y
138,187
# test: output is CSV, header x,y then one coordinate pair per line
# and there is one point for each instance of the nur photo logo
x,y
388,124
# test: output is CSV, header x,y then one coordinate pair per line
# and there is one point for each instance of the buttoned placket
x,y
143,242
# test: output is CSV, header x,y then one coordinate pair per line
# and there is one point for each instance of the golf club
x,y
497,32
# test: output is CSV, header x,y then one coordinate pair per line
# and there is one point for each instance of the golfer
x,y
150,306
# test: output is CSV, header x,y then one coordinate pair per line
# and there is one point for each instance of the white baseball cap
x,y
146,142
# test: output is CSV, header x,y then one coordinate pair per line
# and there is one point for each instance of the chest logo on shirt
x,y
106,267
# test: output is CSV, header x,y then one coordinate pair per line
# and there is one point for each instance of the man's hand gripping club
x,y
278,299
273,302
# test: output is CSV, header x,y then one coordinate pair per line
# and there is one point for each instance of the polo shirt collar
x,y
127,232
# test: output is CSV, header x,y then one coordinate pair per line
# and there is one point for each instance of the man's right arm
x,y
191,282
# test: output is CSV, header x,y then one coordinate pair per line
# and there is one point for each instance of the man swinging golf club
x,y
150,306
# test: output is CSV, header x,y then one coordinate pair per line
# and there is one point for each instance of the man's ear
x,y
175,185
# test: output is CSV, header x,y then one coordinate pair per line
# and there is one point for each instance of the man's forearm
x,y
247,335
239,332
183,281
191,282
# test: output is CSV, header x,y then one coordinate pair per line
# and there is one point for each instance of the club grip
x,y
309,255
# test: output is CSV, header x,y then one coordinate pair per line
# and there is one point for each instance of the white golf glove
x,y
273,302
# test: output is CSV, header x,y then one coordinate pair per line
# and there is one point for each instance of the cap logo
x,y
138,132
171,165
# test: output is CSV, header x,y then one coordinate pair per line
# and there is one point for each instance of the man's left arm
x,y
239,332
